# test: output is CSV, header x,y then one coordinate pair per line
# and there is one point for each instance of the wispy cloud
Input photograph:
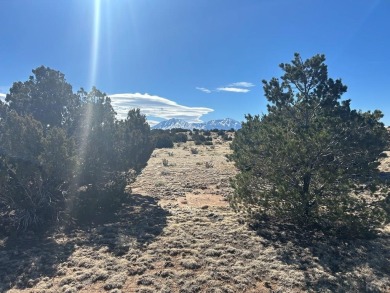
x,y
235,87
203,90
241,84
2,97
232,89
155,107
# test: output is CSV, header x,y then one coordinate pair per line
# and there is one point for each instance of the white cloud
x,y
203,90
241,84
155,106
232,89
236,87
152,122
152,106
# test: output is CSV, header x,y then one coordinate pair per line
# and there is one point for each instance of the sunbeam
x,y
87,111
95,43
107,35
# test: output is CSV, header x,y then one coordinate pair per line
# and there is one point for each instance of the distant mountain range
x,y
222,124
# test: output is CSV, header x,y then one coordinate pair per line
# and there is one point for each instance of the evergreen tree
x,y
61,151
47,96
312,159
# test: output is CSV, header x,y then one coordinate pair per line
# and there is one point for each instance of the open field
x,y
177,233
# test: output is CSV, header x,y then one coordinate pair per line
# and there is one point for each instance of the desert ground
x,y
177,233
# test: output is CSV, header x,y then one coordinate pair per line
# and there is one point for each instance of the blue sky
x,y
197,60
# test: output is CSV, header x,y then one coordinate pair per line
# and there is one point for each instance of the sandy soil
x,y
177,233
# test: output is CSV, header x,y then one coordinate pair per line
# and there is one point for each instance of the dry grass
x,y
177,234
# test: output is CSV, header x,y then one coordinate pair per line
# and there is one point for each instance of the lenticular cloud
x,y
155,107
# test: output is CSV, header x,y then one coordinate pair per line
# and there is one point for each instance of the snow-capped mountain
x,y
173,123
224,124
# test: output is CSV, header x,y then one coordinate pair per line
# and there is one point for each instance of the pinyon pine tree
x,y
64,157
312,160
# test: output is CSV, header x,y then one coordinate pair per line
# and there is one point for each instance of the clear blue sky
x,y
182,58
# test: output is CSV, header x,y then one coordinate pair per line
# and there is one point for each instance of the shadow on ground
x,y
329,263
137,223
26,259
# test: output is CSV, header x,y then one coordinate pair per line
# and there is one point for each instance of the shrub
x,y
221,132
209,165
97,202
34,170
163,141
227,137
178,130
194,151
198,137
165,162
180,137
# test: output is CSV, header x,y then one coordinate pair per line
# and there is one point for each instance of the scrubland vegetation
x,y
295,201
167,138
64,157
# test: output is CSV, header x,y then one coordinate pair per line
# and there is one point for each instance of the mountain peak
x,y
222,124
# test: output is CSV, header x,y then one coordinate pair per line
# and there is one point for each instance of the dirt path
x,y
178,234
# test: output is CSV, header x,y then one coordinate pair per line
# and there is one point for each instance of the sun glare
x,y
95,43
94,66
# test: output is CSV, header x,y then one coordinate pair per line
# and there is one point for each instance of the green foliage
x,y
58,157
31,176
198,137
62,152
98,202
95,136
201,139
221,132
180,137
227,137
46,96
134,143
166,138
312,159
107,150
163,140
178,130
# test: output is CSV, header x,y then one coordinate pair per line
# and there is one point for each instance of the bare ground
x,y
177,233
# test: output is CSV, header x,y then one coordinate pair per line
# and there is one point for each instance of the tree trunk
x,y
306,195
